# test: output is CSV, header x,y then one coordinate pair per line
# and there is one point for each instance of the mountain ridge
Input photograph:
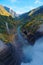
x,y
13,13
7,25
3,11
32,27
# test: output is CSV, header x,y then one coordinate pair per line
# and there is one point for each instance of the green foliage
x,y
6,17
3,20
34,23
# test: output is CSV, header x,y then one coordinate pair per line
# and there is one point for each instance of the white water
x,y
36,54
7,28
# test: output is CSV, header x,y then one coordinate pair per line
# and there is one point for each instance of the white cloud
x,y
38,2
12,1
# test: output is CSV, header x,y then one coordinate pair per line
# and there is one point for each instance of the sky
x,y
21,6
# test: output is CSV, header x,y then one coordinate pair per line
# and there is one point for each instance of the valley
x,y
22,35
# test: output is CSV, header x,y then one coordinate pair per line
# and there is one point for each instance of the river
x,y
31,55
24,49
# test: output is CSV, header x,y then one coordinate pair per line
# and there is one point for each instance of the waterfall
x,y
7,28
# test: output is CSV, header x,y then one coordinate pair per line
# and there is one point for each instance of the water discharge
x,y
7,28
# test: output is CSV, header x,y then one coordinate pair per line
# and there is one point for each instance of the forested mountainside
x,y
7,24
29,22
34,25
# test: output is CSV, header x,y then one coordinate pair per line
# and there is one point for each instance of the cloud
x,y
12,1
38,2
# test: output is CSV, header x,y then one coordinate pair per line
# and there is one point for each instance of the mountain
x,y
11,12
7,25
36,11
3,11
26,17
34,25
29,22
